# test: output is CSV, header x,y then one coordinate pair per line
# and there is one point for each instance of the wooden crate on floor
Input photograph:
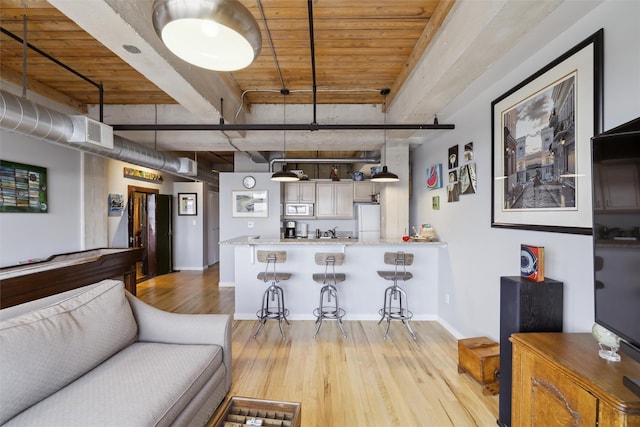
x,y
240,411
480,358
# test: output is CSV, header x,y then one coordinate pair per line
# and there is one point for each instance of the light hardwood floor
x,y
362,380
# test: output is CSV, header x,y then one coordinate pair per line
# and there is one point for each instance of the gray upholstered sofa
x,y
98,356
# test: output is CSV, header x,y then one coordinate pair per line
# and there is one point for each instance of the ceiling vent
x,y
86,130
187,166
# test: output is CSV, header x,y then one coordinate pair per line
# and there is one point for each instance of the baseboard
x,y
191,268
226,284
457,335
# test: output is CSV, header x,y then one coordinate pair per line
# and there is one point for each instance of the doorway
x,y
150,229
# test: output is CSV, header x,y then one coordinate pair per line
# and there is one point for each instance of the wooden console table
x,y
60,273
559,380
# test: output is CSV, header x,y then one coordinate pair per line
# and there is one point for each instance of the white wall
x,y
231,227
189,243
478,254
118,184
26,236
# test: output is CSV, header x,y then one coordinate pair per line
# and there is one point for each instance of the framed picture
x,y
116,204
453,157
23,188
187,204
541,132
250,204
434,177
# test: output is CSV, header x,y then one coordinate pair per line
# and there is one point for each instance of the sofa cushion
x,y
146,384
44,350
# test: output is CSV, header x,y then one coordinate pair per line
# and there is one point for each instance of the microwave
x,y
298,209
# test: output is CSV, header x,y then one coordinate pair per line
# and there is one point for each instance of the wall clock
x,y
249,182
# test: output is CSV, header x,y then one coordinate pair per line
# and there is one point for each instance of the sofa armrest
x,y
156,325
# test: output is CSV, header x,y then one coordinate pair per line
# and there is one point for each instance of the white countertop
x,y
256,240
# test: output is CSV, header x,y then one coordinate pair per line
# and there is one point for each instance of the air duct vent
x,y
187,166
86,130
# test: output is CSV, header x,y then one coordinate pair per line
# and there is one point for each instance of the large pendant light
x,y
284,175
219,35
385,175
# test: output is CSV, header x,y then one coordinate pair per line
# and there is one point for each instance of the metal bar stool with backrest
x,y
395,298
273,298
330,309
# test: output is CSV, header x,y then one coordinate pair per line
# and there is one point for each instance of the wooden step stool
x,y
480,358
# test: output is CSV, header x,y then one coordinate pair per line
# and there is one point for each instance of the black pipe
x,y
313,64
66,67
276,127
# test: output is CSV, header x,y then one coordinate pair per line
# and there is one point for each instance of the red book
x,y
532,262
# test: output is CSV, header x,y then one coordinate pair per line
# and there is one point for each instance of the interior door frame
x,y
149,251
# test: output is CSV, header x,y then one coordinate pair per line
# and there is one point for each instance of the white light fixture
x,y
284,175
220,35
385,175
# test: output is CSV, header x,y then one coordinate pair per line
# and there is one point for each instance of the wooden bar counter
x,y
361,294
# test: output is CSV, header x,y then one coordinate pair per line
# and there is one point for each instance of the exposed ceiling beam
x,y
429,32
195,89
280,126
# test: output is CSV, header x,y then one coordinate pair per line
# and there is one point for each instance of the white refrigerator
x,y
369,222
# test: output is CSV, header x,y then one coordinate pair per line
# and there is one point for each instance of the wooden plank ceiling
x,y
360,48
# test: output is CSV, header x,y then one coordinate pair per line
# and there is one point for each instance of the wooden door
x,y
142,228
164,234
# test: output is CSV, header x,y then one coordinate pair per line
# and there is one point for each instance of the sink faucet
x,y
333,232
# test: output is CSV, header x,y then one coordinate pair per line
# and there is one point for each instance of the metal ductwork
x,y
26,117
369,160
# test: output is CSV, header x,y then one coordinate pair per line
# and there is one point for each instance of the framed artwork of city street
x,y
541,133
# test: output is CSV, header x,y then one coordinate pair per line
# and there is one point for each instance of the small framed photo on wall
x,y
187,204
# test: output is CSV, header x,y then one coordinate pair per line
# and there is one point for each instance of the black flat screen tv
x,y
616,231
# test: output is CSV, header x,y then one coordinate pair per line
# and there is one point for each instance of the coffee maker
x,y
290,230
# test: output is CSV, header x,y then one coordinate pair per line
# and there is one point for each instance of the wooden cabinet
x,y
334,200
559,380
617,186
300,192
362,190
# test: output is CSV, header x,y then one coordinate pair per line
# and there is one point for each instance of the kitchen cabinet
x,y
334,200
300,192
362,190
559,380
618,188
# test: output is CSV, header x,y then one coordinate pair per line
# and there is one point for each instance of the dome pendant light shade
x,y
385,176
284,176
220,35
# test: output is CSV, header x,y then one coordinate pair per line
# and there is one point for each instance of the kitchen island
x,y
361,294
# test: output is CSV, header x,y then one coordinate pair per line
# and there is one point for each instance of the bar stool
x,y
395,304
273,299
329,310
